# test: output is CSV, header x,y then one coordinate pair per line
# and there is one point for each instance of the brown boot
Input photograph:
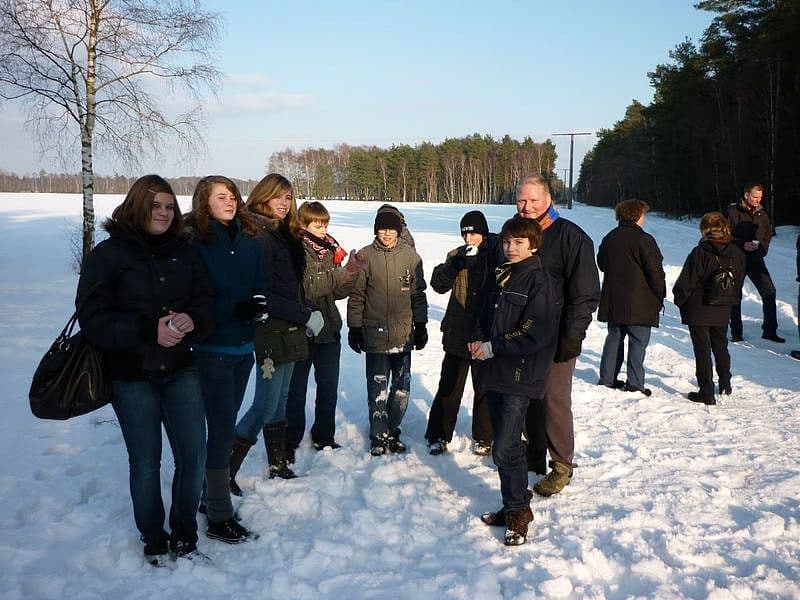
x,y
555,481
275,442
241,446
517,526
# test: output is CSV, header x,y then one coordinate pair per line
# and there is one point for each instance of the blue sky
x,y
307,73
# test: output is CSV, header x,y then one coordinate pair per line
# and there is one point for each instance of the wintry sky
x,y
315,73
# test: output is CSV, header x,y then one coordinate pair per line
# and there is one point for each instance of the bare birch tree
x,y
98,70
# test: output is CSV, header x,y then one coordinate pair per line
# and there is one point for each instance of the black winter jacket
x,y
284,259
127,283
634,285
700,265
465,287
523,326
748,226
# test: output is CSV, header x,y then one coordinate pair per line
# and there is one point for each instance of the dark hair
x,y
631,210
522,228
137,208
273,186
753,185
714,227
201,215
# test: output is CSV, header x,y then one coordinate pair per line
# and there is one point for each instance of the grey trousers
x,y
551,420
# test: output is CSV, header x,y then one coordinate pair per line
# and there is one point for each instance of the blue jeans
x,y
387,405
269,402
223,379
325,359
614,351
141,408
508,417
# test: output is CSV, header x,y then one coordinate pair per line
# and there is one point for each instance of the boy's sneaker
x,y
377,448
558,478
480,448
156,553
438,447
228,531
189,551
393,444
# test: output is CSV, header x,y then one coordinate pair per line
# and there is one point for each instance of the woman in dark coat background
x,y
144,299
632,295
708,325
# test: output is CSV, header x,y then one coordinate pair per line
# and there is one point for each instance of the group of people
x,y
181,309
708,291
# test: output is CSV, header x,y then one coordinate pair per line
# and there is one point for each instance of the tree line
x,y
474,169
725,113
71,183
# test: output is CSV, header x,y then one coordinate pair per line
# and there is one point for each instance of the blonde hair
x,y
272,186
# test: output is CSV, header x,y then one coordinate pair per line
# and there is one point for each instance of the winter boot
x,y
437,447
495,519
241,446
701,398
481,448
228,531
517,526
556,480
395,445
275,442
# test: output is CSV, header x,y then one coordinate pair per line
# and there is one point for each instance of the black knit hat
x,y
388,220
474,222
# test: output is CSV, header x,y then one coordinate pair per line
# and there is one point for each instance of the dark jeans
x,y
508,417
705,341
447,401
758,274
325,359
223,379
387,402
269,402
549,422
141,407
614,351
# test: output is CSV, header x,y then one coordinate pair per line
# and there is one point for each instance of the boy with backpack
x,y
387,313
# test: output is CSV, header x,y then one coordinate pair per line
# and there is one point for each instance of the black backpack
x,y
720,288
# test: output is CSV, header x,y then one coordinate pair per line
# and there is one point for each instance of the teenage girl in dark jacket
x,y
223,236
144,298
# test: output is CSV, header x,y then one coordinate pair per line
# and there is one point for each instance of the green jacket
x,y
388,298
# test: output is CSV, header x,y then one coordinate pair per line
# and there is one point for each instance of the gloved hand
x,y
356,262
567,348
420,336
355,339
250,308
465,257
315,323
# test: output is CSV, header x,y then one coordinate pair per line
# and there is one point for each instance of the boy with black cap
x,y
387,313
463,273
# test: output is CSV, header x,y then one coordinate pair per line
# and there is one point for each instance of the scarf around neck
x,y
548,218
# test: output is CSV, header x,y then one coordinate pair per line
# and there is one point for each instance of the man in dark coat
x,y
633,292
752,232
568,256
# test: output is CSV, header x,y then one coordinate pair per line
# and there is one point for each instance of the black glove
x,y
420,336
355,339
250,308
567,348
462,260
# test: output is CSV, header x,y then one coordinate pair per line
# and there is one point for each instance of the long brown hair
x,y
137,208
273,186
200,216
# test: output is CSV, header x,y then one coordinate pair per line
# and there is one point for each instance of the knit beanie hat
x,y
388,220
474,222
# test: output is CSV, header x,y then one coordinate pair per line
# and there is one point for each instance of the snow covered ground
x,y
670,500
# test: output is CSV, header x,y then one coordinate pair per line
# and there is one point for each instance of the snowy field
x,y
670,499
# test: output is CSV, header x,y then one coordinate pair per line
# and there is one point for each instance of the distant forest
x,y
724,113
473,169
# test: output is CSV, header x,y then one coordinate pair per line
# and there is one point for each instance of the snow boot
x,y
558,478
395,445
438,447
698,397
517,526
228,531
241,446
275,443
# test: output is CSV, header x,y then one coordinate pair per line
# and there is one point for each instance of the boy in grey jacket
x,y
387,313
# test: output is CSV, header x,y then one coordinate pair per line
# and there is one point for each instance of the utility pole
x,y
572,135
565,182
